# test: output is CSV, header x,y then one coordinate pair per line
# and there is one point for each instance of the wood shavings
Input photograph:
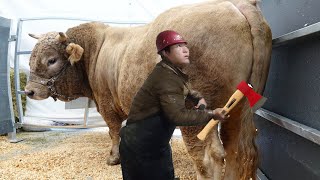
x,y
72,155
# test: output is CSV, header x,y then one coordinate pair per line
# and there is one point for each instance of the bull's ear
x,y
62,37
34,36
75,52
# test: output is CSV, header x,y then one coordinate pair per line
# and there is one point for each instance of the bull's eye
x,y
51,61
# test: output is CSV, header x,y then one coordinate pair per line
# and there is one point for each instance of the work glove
x,y
217,114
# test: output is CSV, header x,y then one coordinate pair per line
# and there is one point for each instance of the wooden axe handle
x,y
232,102
205,131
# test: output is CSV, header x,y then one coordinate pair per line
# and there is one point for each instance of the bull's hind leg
x,y
113,120
238,136
230,137
207,155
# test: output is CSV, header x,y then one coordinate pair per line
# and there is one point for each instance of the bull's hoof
x,y
113,160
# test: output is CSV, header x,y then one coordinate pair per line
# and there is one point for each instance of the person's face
x,y
178,55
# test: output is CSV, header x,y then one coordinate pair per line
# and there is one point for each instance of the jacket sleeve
x,y
170,93
194,96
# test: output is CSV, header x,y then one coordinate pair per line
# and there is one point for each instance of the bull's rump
x,y
221,49
220,46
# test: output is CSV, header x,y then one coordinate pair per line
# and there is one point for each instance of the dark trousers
x,y
146,166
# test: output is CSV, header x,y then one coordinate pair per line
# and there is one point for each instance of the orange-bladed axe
x,y
243,89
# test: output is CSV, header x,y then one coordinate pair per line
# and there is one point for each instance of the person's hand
x,y
201,101
219,115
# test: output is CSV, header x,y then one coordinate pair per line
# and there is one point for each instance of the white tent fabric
x,y
45,111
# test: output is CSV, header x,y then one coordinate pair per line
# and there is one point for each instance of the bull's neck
x,y
90,37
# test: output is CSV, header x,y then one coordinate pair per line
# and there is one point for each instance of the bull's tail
x,y
262,45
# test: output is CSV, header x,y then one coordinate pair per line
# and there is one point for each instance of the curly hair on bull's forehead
x,y
49,41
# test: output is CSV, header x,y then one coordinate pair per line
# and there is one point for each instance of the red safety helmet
x,y
168,38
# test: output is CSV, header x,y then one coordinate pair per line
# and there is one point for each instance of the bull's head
x,y
52,69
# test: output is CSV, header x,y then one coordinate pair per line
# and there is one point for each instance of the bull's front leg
x,y
113,120
207,155
114,130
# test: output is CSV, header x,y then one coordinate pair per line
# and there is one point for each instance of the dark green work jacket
x,y
163,94
164,91
157,108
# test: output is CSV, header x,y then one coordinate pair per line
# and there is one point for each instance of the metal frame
x,y
293,126
16,37
312,30
260,175
82,19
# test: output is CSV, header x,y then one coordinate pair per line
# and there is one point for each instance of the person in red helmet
x,y
156,110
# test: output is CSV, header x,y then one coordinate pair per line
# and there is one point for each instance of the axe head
x,y
255,99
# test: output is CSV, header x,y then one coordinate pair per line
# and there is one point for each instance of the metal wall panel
x,y
285,16
293,91
293,87
285,155
6,123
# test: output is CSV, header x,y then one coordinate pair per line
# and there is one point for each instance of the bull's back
x,y
220,43
119,68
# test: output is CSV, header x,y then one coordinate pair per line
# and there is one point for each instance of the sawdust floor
x,y
71,154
